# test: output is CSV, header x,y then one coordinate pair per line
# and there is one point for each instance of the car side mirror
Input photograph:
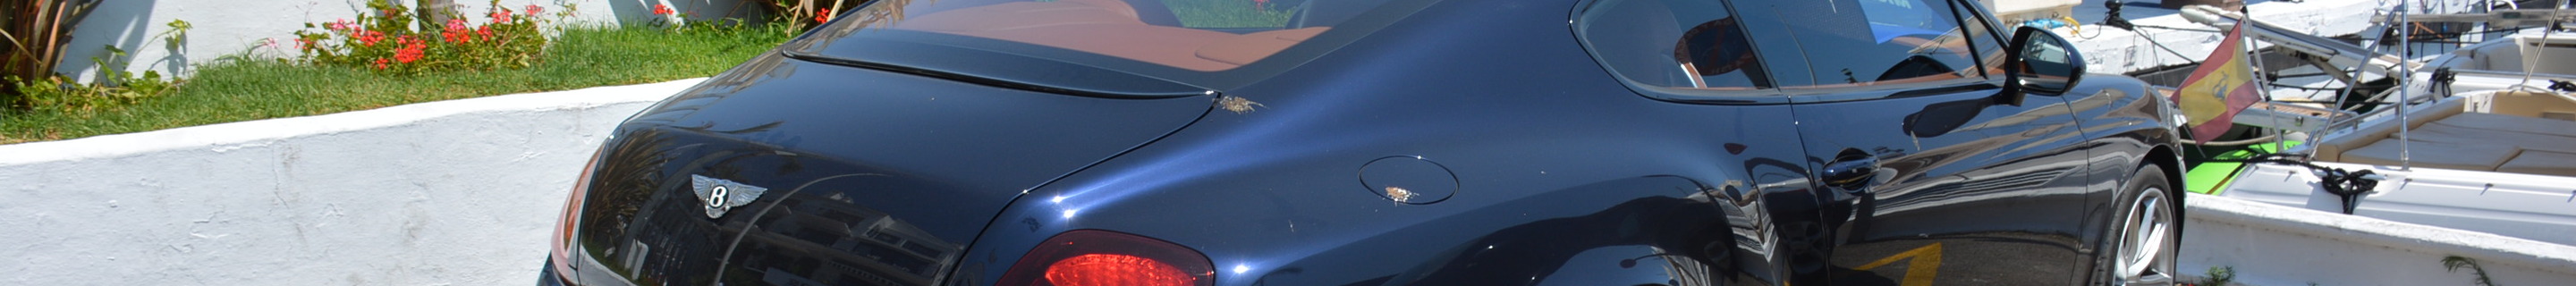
x,y
2038,61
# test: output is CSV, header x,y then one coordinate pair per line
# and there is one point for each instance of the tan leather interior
x,y
1242,50
2529,104
2541,163
2444,155
2445,136
2480,137
2500,122
2333,149
1110,27
1021,15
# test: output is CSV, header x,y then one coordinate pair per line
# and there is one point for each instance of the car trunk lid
x,y
836,174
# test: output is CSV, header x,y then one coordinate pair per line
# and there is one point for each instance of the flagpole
x,y
2405,35
2245,47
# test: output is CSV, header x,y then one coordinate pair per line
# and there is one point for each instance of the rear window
x,y
1204,43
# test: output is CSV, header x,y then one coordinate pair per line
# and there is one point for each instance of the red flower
x,y
486,31
533,9
369,38
500,17
380,63
303,44
411,50
659,9
823,16
456,36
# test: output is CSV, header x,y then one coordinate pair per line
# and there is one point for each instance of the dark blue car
x,y
1390,142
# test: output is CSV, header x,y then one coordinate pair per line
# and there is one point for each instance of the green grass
x,y
261,89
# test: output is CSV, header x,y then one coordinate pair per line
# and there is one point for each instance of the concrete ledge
x,y
459,192
2278,245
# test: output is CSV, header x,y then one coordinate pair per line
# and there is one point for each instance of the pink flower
x,y
455,24
342,24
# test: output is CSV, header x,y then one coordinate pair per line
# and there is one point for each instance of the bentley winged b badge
x,y
719,195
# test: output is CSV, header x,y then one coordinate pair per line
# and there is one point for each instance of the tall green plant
x,y
35,32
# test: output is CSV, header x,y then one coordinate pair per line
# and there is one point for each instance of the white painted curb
x,y
459,192
2279,245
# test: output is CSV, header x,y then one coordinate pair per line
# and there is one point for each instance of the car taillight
x,y
571,216
1106,258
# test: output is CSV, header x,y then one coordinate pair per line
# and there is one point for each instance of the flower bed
x,y
387,41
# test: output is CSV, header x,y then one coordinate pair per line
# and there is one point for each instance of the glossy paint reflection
x,y
1561,174
882,205
2013,170
1687,238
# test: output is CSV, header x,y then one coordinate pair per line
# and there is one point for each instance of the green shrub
x,y
115,85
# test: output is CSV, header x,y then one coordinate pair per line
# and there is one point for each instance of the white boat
x,y
2458,167
2272,224
2486,146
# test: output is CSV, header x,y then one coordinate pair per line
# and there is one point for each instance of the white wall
x,y
461,192
2278,245
229,27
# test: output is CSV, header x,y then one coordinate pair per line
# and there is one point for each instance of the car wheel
x,y
2146,235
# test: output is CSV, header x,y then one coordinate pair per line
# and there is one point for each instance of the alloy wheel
x,y
2146,254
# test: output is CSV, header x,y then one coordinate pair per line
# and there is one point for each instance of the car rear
x,y
874,149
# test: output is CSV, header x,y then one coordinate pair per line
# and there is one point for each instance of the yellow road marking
x,y
1921,264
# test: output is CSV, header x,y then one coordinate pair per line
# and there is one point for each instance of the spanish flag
x,y
2222,86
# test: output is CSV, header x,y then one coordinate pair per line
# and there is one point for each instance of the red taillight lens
x,y
1106,258
1114,270
566,222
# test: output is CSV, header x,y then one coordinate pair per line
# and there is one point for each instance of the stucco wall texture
x,y
461,192
265,28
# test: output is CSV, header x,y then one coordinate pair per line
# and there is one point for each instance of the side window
x,y
1981,36
1862,42
1682,44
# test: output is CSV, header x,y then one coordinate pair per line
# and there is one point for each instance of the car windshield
x,y
1201,43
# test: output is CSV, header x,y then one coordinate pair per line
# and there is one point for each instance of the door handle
x,y
1851,173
